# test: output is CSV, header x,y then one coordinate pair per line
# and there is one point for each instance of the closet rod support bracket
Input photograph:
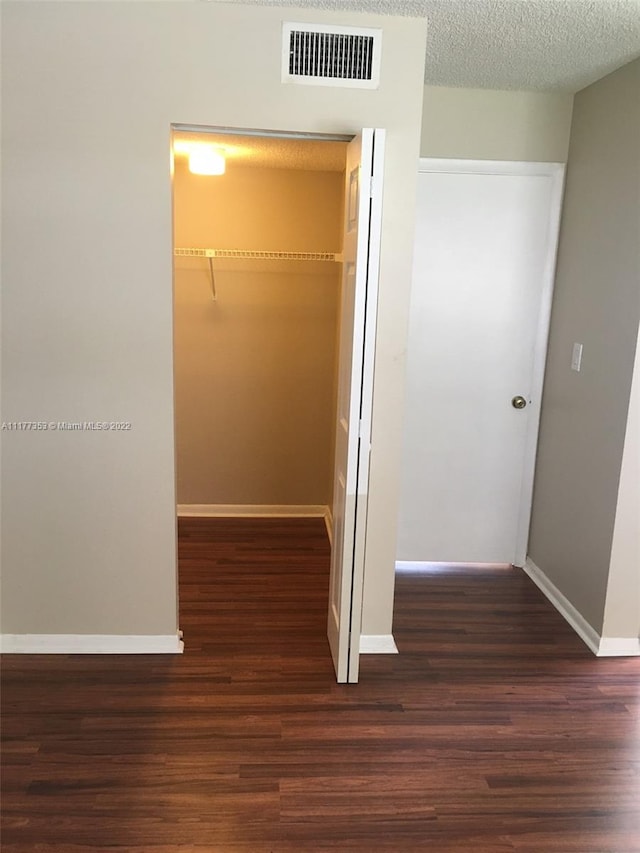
x,y
213,279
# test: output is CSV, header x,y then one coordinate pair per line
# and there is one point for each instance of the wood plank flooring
x,y
493,730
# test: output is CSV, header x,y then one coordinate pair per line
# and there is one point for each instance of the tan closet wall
x,y
255,369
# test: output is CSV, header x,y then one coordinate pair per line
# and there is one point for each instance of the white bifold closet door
x,y
363,207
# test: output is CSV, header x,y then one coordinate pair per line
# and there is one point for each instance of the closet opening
x,y
258,222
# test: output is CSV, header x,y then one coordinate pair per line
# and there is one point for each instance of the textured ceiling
x,y
267,151
553,45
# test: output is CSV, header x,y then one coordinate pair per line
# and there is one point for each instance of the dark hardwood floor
x,y
494,729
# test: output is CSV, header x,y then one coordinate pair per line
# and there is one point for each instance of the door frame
x,y
555,172
373,196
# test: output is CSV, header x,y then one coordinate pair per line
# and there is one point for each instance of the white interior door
x,y
363,206
483,275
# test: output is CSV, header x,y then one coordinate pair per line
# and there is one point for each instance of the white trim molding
x,y
491,167
328,523
619,647
564,607
91,644
378,644
600,646
252,510
424,566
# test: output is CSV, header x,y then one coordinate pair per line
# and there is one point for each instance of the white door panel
x,y
355,387
480,300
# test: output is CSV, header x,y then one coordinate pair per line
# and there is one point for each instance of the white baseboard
x,y
90,644
600,646
378,644
562,604
619,647
251,510
328,523
424,566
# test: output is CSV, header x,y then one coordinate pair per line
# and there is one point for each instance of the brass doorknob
x,y
518,402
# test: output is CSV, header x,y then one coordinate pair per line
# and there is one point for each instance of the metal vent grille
x,y
331,56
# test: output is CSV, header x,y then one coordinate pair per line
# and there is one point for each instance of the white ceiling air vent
x,y
323,55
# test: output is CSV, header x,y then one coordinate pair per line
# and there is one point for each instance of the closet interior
x,y
257,272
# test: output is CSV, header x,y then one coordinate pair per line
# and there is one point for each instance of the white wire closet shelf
x,y
210,254
258,255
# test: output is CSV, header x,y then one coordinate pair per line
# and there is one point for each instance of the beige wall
x,y
255,370
482,124
597,303
89,93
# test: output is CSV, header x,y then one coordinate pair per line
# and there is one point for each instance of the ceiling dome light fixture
x,y
205,160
